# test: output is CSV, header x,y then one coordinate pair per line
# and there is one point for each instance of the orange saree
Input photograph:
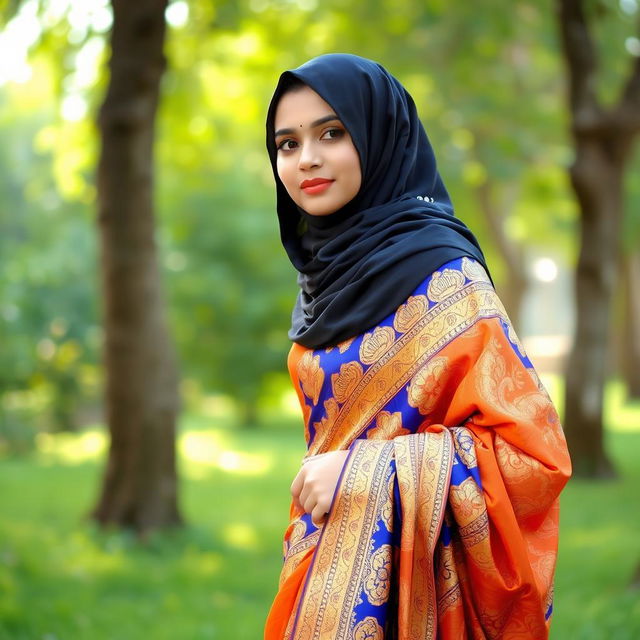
x,y
444,522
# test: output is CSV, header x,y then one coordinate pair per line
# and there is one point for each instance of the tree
x,y
629,293
140,484
603,139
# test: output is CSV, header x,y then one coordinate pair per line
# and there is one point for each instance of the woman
x,y
427,504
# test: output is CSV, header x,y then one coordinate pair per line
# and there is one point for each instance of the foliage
x,y
48,325
489,87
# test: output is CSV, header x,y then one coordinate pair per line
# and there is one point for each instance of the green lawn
x,y
61,578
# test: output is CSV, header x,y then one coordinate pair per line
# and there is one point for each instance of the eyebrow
x,y
315,123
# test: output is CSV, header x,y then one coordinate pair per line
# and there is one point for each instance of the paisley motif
x,y
311,376
296,531
374,345
465,446
409,313
444,284
346,381
366,574
378,580
518,466
507,389
368,629
425,388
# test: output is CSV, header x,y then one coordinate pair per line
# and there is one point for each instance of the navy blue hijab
x,y
357,265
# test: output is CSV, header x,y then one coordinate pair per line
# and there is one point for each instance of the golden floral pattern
x,y
410,312
467,501
474,270
444,284
368,629
345,344
386,513
378,580
425,388
458,361
346,381
332,410
388,425
374,345
311,376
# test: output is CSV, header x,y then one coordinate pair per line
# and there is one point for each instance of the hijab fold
x,y
357,265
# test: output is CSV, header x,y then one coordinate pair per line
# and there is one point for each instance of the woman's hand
x,y
313,488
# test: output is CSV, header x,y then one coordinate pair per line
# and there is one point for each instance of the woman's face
x,y
317,162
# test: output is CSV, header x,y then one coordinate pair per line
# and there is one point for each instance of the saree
x,y
444,520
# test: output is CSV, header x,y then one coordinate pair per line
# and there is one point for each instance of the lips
x,y
316,185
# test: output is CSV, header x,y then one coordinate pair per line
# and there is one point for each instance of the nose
x,y
309,157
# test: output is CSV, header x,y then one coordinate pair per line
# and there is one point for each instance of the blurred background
x,y
535,132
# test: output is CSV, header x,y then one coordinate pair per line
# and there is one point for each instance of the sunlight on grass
x,y
240,535
596,538
64,577
207,449
619,413
71,448
203,563
81,558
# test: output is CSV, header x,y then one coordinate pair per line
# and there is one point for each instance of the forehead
x,y
300,106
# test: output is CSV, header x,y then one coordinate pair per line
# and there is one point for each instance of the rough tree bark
x,y
140,485
603,139
631,328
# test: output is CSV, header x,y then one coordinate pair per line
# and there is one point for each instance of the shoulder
x,y
458,285
453,277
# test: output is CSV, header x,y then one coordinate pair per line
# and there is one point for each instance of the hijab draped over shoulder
x,y
357,265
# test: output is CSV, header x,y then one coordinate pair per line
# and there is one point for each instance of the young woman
x,y
427,504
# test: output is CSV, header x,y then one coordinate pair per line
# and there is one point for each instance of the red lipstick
x,y
316,185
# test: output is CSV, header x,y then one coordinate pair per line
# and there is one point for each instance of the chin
x,y
318,210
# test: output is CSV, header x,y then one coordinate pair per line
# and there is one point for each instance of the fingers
x,y
296,488
318,515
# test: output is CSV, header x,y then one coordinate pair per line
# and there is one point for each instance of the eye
x,y
333,134
287,145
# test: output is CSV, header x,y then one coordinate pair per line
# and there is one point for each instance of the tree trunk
x,y
631,324
140,484
597,183
603,139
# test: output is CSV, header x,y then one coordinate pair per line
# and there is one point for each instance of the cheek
x,y
352,165
284,173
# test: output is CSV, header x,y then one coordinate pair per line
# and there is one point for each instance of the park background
x,y
500,93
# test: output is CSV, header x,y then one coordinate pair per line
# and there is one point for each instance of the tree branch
x,y
495,219
581,59
628,109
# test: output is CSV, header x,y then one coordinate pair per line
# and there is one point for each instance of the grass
x,y
62,578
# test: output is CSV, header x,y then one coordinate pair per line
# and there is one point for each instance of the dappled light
x,y
492,92
240,535
207,449
67,448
